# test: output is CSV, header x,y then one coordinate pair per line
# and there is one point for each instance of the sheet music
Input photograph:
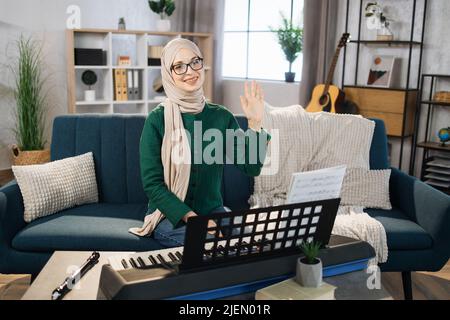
x,y
316,185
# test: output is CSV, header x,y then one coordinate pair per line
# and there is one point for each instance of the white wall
x,y
436,58
46,20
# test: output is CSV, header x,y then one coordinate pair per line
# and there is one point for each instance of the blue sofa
x,y
417,228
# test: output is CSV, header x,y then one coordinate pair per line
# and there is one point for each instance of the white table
x,y
61,265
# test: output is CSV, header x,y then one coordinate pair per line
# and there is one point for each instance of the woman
x,y
177,183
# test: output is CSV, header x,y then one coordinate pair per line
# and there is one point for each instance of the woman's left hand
x,y
252,104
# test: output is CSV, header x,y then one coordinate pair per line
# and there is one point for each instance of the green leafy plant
x,y
162,7
29,95
311,251
290,38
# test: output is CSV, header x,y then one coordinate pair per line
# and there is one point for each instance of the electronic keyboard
x,y
243,251
127,277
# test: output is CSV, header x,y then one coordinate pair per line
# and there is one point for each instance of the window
x,y
250,49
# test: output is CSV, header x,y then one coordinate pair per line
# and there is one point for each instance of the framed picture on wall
x,y
381,71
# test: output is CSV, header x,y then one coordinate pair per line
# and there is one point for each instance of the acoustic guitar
x,y
327,97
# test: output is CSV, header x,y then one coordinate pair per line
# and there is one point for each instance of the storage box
x,y
90,57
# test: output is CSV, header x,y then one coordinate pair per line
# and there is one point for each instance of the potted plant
x,y
89,78
309,267
290,38
164,8
31,105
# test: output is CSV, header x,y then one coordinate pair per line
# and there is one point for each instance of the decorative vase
x,y
89,95
384,33
122,25
163,25
289,76
22,158
309,275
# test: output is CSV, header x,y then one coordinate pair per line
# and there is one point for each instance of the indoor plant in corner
x,y
164,8
30,105
309,267
290,38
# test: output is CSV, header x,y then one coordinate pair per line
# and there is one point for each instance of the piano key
x,y
161,258
133,263
116,260
125,264
141,262
152,259
172,256
179,255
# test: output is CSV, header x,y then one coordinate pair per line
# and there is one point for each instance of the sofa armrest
x,y
11,213
428,207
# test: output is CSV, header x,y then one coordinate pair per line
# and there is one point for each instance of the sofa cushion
x,y
402,233
51,187
89,227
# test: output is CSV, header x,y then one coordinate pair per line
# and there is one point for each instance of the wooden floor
x,y
13,287
426,286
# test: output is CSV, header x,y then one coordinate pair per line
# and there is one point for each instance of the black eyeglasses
x,y
181,68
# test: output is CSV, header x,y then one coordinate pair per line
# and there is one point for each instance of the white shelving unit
x,y
129,43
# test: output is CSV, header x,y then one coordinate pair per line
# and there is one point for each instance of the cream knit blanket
x,y
303,141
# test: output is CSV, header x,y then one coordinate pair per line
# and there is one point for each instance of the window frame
x,y
248,31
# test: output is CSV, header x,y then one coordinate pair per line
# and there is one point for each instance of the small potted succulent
x,y
290,38
164,8
309,267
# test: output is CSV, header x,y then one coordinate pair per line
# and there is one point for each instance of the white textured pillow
x,y
340,139
54,186
366,188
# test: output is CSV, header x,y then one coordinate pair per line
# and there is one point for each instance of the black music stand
x,y
261,233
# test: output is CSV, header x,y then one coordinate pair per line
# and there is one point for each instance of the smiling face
x,y
192,80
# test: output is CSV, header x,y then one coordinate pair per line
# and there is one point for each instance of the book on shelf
x,y
290,290
154,55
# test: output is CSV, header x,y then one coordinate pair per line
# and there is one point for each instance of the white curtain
x,y
319,42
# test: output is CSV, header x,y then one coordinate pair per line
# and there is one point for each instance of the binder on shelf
x,y
136,85
130,88
124,84
117,85
120,85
